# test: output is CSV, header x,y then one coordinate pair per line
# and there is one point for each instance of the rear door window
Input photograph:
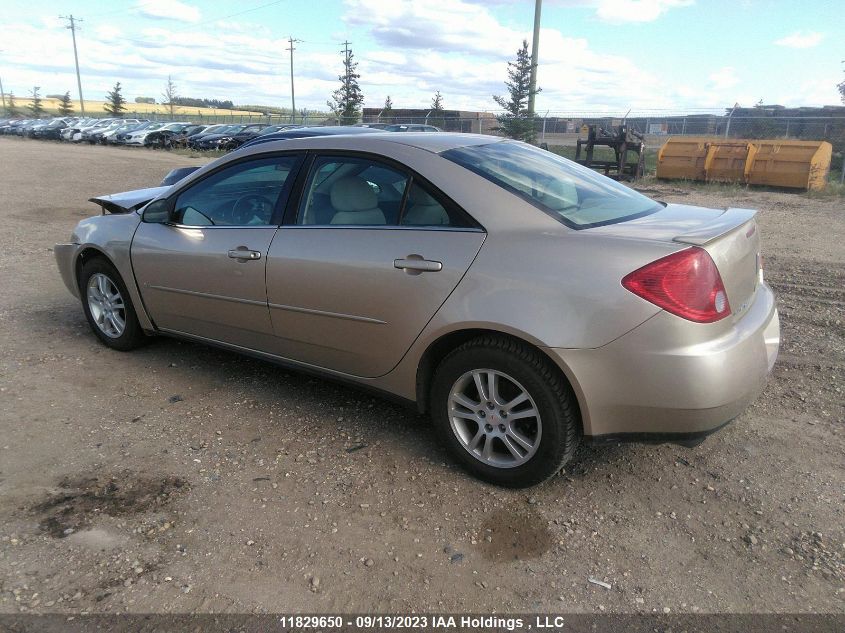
x,y
571,193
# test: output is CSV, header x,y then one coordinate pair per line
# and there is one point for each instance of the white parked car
x,y
138,137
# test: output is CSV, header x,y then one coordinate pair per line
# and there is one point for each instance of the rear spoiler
x,y
725,223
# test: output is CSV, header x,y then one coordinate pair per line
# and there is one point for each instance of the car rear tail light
x,y
686,283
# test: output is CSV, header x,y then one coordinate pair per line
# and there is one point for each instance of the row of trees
x,y
515,122
346,102
116,103
36,106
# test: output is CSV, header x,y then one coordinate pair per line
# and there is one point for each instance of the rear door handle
x,y
244,254
416,264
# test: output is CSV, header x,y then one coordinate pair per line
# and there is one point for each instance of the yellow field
x,y
95,108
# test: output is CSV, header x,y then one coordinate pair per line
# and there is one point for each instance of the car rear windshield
x,y
571,193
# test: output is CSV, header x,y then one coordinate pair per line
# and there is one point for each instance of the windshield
x,y
569,192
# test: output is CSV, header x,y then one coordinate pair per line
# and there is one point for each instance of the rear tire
x,y
516,431
108,306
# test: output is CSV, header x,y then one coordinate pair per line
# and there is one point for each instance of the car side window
x,y
426,207
352,191
245,194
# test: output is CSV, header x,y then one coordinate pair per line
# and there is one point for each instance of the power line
x,y
72,26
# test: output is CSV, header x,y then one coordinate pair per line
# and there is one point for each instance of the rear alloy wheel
x,y
494,418
504,411
108,307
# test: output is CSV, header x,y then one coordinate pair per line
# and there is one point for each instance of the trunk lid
x,y
730,236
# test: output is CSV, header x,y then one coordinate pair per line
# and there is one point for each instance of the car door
x,y
202,271
353,277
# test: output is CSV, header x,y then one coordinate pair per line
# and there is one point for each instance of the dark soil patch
x,y
86,496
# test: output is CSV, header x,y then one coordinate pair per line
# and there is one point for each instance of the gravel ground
x,y
183,478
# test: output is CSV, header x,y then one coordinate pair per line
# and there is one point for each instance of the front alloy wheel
x,y
106,305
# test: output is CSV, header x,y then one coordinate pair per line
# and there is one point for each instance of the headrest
x,y
353,194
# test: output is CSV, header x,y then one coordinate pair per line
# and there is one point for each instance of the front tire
x,y
108,307
504,412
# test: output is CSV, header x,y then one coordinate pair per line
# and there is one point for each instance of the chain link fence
x,y
563,128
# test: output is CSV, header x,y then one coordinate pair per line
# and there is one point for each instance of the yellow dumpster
x,y
799,164
778,163
726,160
682,158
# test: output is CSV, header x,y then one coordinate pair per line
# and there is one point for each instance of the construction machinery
x,y
624,142
795,164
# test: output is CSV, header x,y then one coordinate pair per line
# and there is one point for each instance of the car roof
x,y
435,142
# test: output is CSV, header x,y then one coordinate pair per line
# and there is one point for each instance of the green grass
x,y
834,189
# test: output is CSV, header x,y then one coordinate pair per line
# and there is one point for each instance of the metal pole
x,y
292,96
543,135
728,126
535,52
72,28
3,94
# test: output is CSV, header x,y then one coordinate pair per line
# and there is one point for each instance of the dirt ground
x,y
180,478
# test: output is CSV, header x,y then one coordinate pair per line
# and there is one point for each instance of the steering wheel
x,y
252,209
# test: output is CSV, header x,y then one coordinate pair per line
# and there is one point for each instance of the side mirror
x,y
156,212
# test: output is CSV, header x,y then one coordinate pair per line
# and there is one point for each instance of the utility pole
x,y
346,52
3,94
72,26
292,97
535,52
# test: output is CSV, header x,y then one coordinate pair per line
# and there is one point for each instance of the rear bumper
x,y
669,380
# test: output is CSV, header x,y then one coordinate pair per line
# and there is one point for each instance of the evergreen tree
x,y
346,101
436,117
36,108
65,105
115,103
841,87
386,115
11,106
516,122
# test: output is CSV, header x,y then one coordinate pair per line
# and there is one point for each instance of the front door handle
x,y
244,254
415,264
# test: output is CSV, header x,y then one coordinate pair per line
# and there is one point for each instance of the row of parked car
x,y
164,134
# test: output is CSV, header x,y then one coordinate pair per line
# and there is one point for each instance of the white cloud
x,y
418,46
611,10
636,10
169,10
801,39
430,24
724,78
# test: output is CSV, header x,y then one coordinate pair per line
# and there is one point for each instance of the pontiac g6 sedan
x,y
523,301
